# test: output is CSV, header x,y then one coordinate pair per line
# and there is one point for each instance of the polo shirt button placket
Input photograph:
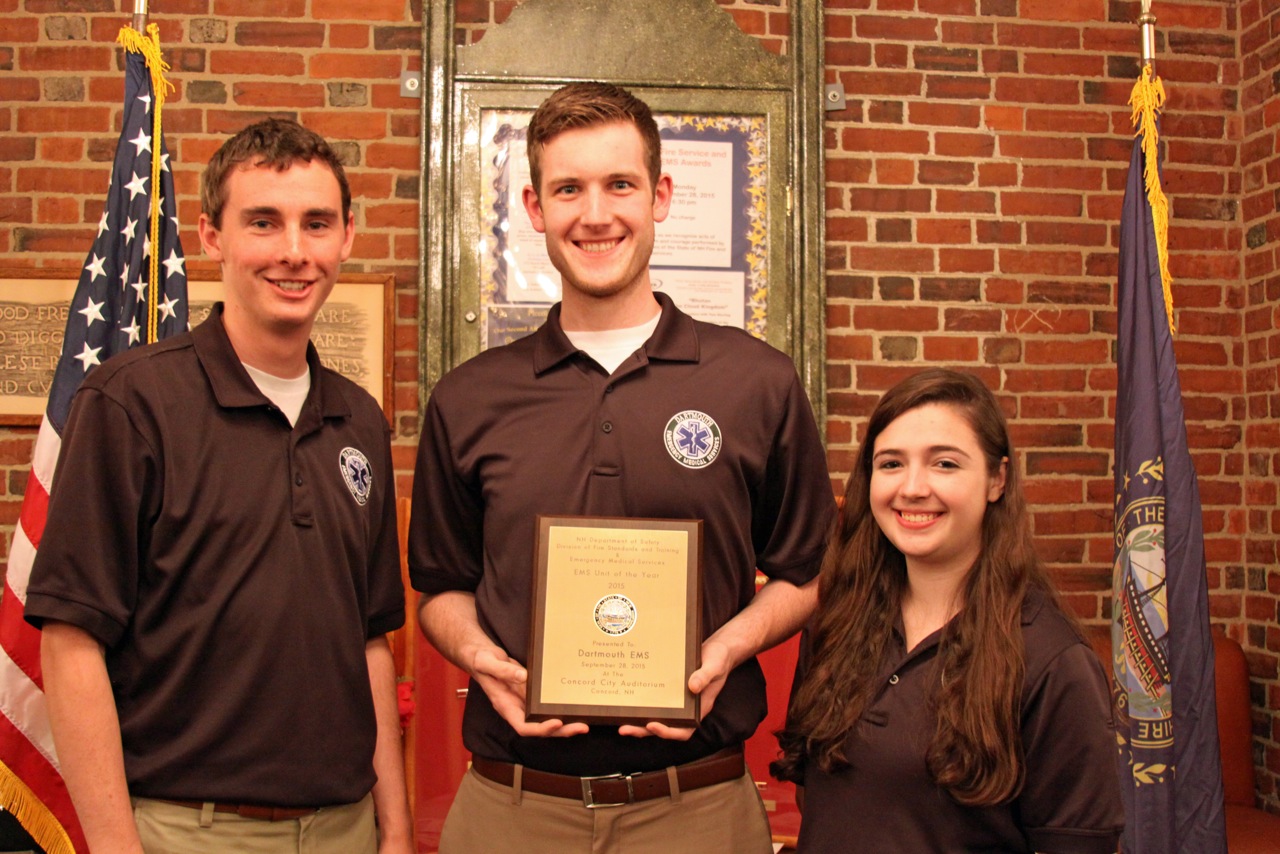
x,y
607,426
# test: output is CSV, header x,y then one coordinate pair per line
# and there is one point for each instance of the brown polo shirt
x,y
233,568
702,422
886,802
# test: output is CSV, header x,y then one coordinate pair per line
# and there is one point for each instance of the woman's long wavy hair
x,y
975,752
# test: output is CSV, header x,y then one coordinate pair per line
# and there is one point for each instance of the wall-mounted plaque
x,y
352,333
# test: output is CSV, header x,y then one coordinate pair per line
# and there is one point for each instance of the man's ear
x,y
533,207
350,237
662,195
210,237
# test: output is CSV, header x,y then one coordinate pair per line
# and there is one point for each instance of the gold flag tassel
x,y
35,818
1147,99
149,46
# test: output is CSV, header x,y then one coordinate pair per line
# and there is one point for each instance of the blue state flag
x,y
1162,649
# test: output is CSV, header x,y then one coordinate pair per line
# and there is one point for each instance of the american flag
x,y
116,306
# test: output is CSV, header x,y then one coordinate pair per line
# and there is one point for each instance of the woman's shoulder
x,y
1048,634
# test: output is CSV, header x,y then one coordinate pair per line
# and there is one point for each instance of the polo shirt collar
x,y
1033,601
1032,604
674,340
232,386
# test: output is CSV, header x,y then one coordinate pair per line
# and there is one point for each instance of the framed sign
x,y
711,254
352,333
614,631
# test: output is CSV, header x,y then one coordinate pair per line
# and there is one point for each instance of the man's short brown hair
x,y
278,143
581,105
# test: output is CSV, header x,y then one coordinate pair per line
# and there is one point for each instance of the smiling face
x,y
281,242
930,487
597,208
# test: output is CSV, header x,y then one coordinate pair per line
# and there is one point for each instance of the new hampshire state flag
x,y
1162,650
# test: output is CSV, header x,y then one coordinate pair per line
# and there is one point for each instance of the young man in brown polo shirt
x,y
220,563
620,405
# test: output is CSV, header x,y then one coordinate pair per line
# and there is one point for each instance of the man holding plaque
x,y
651,430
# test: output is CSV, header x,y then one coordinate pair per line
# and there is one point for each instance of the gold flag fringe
x,y
1147,99
32,814
149,46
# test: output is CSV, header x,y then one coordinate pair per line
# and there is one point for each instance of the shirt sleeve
x,y
447,524
1070,801
386,587
86,569
791,522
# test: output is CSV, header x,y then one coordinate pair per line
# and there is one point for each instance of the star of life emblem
x,y
692,439
357,473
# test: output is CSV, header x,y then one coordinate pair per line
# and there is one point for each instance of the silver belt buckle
x,y
589,797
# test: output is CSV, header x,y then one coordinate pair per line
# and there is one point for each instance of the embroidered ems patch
x,y
692,438
357,474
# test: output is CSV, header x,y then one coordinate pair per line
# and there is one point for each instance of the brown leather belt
x,y
254,811
614,790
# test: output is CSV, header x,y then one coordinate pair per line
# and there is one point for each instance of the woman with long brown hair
x,y
944,701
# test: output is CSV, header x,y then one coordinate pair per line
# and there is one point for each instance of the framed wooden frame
x,y
685,58
353,333
614,630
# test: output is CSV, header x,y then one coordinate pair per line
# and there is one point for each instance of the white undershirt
x,y
287,394
611,347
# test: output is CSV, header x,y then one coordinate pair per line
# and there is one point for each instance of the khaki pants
x,y
171,829
727,818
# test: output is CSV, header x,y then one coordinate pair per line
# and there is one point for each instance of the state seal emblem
x,y
357,474
1140,628
614,614
692,438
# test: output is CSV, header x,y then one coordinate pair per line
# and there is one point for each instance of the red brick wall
x,y
1258,191
973,192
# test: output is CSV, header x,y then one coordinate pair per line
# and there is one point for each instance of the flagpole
x,y
1146,23
140,15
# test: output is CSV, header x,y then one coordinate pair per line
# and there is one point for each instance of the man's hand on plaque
x,y
503,681
706,682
